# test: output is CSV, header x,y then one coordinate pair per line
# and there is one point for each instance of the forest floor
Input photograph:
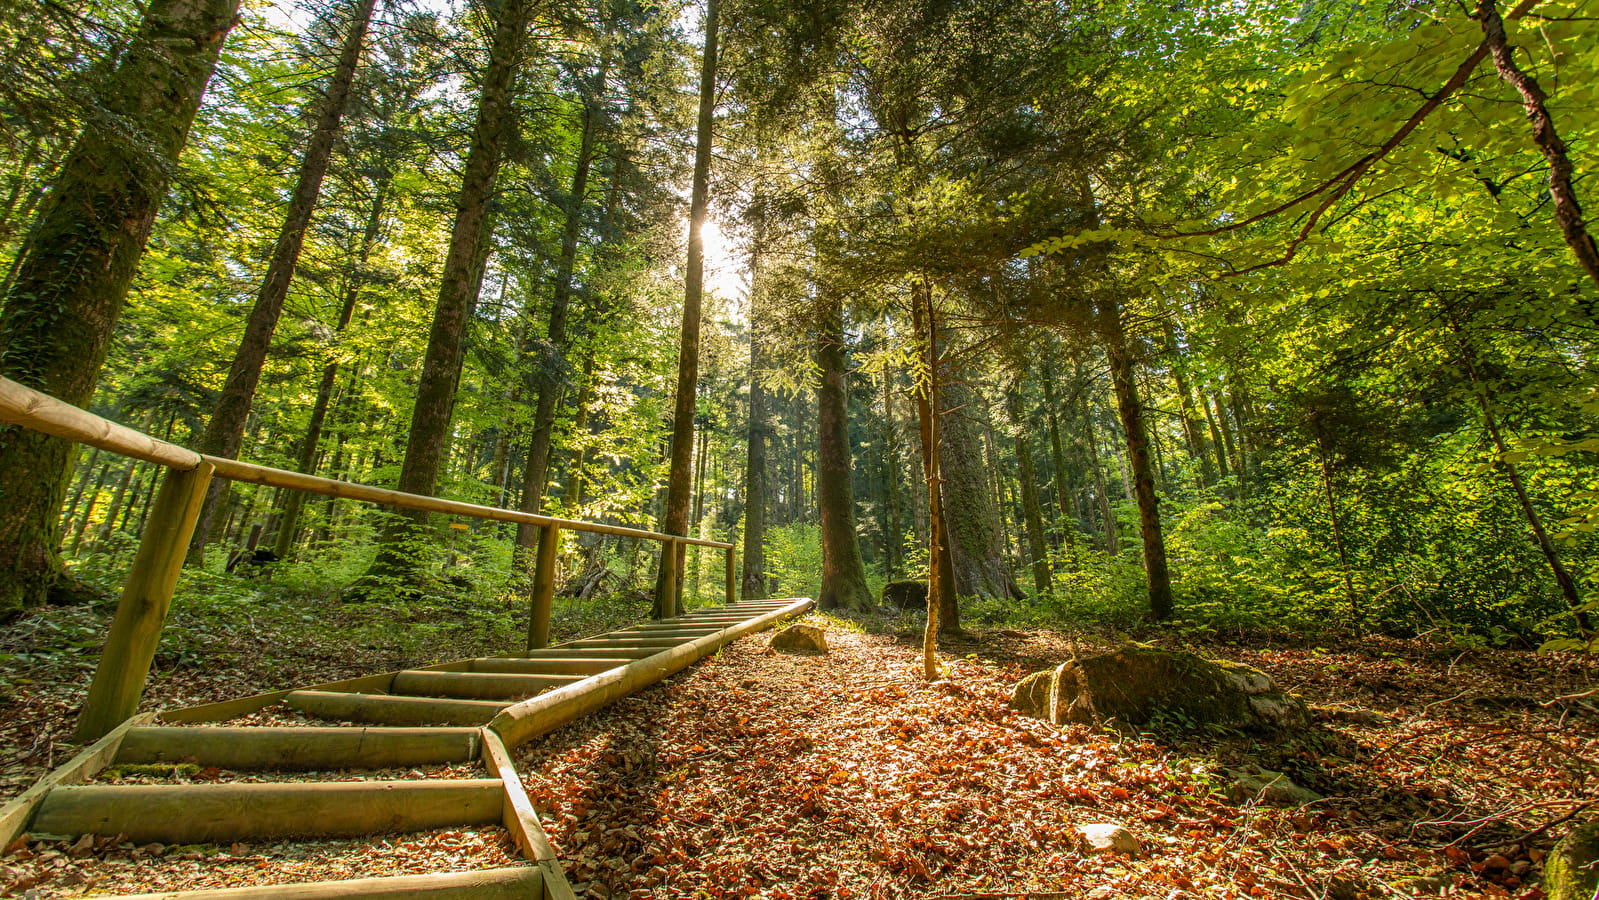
x,y
1446,771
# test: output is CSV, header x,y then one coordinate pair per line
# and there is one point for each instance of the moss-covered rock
x,y
1572,871
1137,685
800,639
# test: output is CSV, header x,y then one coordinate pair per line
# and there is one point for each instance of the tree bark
x,y
1130,410
756,490
551,369
674,520
1032,510
970,512
81,254
225,429
940,565
1568,212
283,545
894,541
843,572
441,365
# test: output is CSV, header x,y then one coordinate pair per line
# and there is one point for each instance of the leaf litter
x,y
759,774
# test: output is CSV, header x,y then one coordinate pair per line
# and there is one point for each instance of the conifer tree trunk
x,y
894,545
551,370
843,573
756,491
1130,409
441,365
674,519
283,545
970,513
940,565
225,429
1032,510
62,306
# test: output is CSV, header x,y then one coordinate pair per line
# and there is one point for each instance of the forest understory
x,y
1448,771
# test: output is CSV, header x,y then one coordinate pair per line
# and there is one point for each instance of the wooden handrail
x,y
41,412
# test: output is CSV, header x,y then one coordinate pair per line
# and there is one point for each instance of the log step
x,y
626,643
568,651
207,813
477,685
385,709
522,883
571,665
300,748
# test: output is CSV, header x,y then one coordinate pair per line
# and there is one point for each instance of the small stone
x,y
800,639
1425,885
1103,837
1267,786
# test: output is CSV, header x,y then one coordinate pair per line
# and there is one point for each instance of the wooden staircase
x,y
457,712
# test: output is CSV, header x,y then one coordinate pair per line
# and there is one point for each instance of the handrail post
x,y
669,585
543,599
728,586
146,596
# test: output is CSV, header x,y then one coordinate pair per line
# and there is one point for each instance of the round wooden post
x,y
728,585
146,596
538,624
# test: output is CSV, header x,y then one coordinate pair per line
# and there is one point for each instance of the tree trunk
x,y
1107,516
1568,212
551,369
62,307
756,491
1131,412
668,602
441,365
894,542
225,429
283,545
1337,522
970,513
1540,536
940,565
1032,510
1065,497
843,573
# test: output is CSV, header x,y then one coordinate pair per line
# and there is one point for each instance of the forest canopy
x,y
1259,315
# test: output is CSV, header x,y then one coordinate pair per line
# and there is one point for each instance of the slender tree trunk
x,y
894,543
675,518
114,511
1337,521
225,429
1185,405
283,546
1130,410
86,475
1032,510
1215,435
551,372
1107,516
88,512
1540,535
843,573
441,366
62,307
940,565
755,477
1064,496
